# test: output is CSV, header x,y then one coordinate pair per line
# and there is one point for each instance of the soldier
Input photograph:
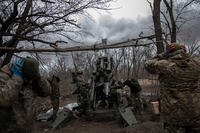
x,y
55,95
114,98
179,76
82,89
134,99
17,93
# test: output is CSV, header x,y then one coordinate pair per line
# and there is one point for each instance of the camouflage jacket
x,y
9,86
179,76
20,98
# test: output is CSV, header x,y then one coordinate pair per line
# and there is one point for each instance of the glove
x,y
16,68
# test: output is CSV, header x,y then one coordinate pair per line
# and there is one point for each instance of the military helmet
x,y
30,68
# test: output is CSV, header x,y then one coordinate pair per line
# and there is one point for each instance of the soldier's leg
x,y
55,105
134,103
86,106
138,103
130,101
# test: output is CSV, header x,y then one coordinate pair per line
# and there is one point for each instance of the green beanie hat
x,y
30,68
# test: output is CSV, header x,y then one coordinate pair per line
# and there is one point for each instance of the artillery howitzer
x,y
100,96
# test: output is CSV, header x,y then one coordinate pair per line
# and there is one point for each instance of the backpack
x,y
134,85
31,68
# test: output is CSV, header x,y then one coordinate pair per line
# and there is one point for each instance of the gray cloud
x,y
114,30
190,31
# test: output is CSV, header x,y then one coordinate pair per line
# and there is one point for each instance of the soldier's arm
x,y
10,86
157,65
42,87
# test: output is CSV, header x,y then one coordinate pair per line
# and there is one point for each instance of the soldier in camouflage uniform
x,y
179,76
17,94
134,99
55,95
82,89
114,97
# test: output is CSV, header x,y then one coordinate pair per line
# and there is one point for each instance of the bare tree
x,y
191,39
157,25
32,21
176,15
172,29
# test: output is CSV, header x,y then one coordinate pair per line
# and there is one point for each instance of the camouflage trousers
x,y
180,111
180,108
135,101
55,105
85,106
178,129
83,98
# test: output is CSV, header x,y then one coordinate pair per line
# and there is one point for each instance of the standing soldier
x,y
179,76
82,89
55,94
134,99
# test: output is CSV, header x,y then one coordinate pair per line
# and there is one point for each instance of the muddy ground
x,y
82,126
147,123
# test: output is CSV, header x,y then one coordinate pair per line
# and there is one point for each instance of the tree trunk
x,y
14,41
157,26
173,22
173,35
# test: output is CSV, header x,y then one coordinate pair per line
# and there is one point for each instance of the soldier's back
x,y
180,93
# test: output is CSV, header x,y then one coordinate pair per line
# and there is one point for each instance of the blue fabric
x,y
17,68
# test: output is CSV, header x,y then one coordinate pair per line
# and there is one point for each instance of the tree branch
x,y
100,46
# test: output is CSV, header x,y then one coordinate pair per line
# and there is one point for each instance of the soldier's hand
x,y
159,55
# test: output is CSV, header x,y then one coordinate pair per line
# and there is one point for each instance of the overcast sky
x,y
129,9
127,21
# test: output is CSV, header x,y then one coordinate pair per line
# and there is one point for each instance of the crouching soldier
x,y
134,99
20,83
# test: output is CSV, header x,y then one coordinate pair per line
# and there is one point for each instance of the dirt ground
x,y
147,123
84,126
